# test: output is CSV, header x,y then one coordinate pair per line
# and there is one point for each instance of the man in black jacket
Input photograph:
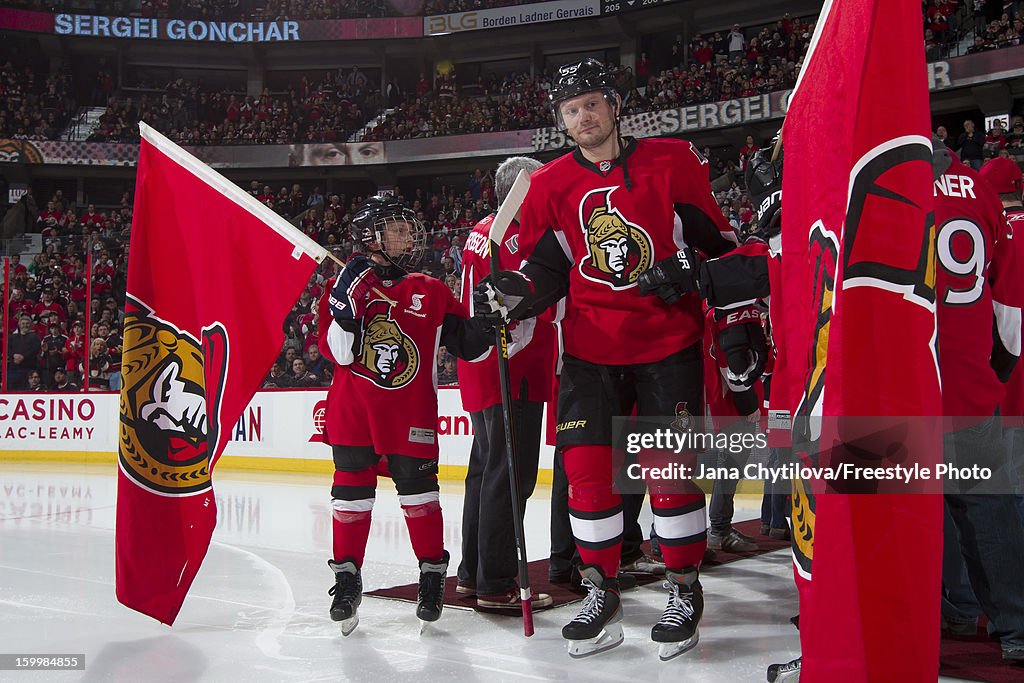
x,y
970,145
23,354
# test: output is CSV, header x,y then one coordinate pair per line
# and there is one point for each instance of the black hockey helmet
x,y
580,78
372,220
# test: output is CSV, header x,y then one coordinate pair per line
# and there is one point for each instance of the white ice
x,y
258,608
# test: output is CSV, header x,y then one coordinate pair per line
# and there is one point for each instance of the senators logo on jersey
x,y
169,414
389,357
618,251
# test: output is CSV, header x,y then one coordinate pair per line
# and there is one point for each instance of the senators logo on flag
x,y
168,413
858,274
203,325
619,250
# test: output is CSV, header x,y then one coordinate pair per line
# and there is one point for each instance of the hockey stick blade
x,y
510,207
527,602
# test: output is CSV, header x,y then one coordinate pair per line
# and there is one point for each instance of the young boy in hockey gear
x,y
382,326
612,223
489,561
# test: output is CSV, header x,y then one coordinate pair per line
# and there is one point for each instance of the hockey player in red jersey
x,y
1004,176
382,326
489,562
614,224
979,323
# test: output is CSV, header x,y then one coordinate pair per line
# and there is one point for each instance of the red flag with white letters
x,y
858,259
212,274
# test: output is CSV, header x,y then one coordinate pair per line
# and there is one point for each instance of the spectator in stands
x,y
938,20
301,377
266,197
47,221
318,366
35,382
1015,137
447,369
315,200
47,304
287,357
91,219
61,381
747,152
971,145
52,346
995,139
74,349
98,371
455,254
943,135
294,340
737,43
278,377
23,347
19,305
296,201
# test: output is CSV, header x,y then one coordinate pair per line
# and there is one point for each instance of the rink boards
x,y
279,430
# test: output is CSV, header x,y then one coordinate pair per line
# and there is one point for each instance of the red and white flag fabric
x,y
858,259
212,274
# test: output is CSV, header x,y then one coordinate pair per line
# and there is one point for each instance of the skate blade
x,y
667,651
349,625
425,626
611,636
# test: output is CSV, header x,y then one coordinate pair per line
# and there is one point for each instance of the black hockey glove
x,y
741,339
764,182
502,296
352,289
671,278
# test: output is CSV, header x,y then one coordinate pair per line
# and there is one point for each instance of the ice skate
x,y
677,630
348,593
785,673
596,628
430,599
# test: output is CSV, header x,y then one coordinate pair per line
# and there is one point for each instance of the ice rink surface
x,y
258,608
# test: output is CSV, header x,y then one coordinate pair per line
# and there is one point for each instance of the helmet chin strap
x,y
389,270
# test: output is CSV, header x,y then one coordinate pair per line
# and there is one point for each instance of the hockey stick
x,y
506,213
382,295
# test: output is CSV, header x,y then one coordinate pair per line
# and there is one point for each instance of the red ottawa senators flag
x,y
211,276
858,259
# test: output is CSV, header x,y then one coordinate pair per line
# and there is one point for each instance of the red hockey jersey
x,y
610,233
385,393
532,360
1012,407
976,282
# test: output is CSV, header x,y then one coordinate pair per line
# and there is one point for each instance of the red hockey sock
x,y
595,510
352,502
426,525
681,526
